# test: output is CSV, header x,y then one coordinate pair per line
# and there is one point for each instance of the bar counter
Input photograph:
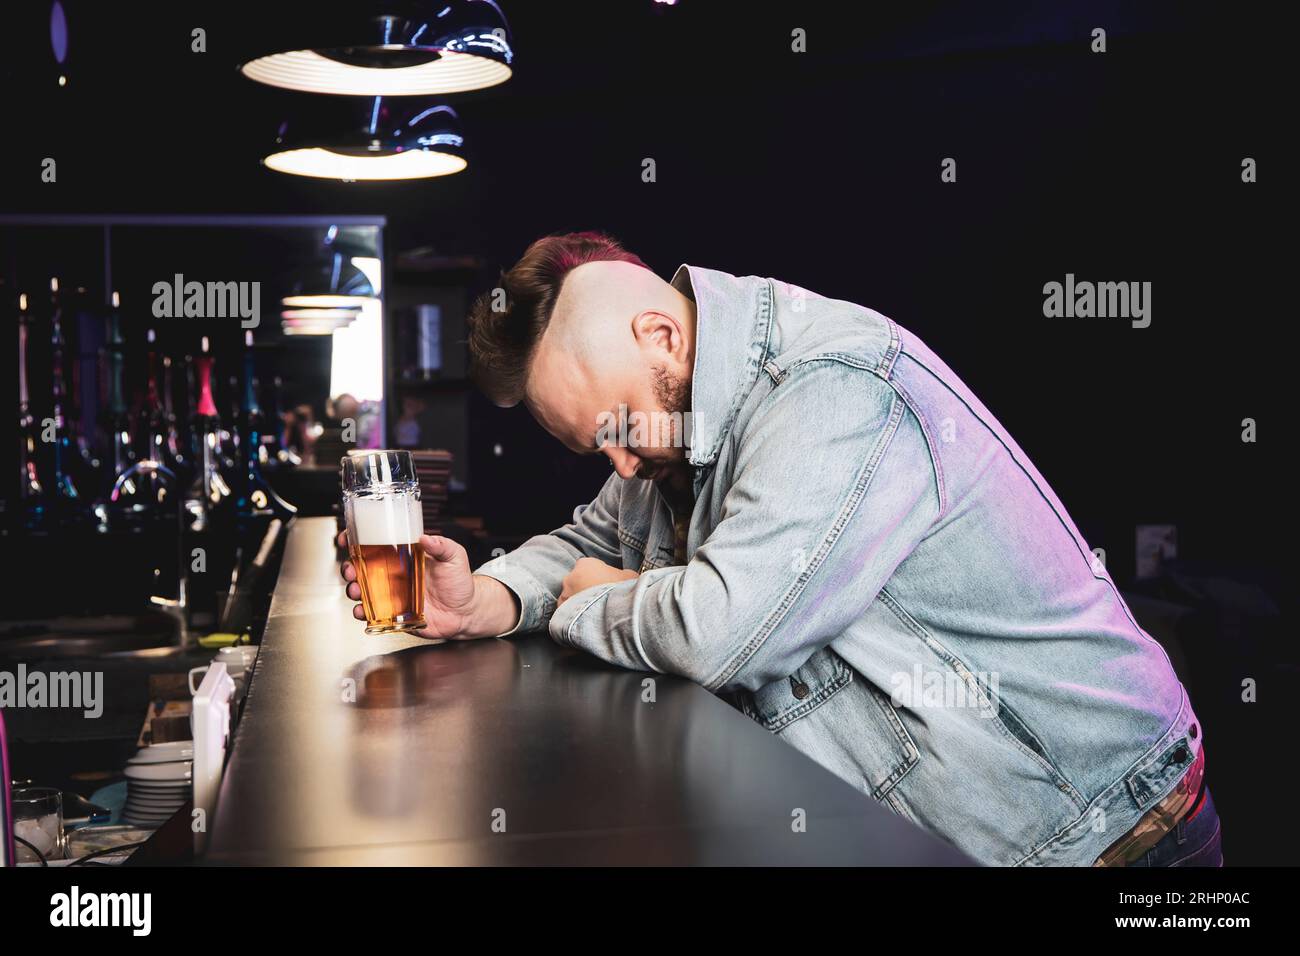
x,y
397,750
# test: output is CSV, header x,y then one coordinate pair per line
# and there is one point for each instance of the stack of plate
x,y
158,783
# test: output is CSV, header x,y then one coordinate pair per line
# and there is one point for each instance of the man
x,y
814,517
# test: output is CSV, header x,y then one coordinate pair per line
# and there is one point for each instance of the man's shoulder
x,y
812,328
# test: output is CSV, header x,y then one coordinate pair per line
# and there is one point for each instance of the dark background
x,y
823,169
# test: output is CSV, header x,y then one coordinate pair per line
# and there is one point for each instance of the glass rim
x,y
383,487
377,468
35,794
363,452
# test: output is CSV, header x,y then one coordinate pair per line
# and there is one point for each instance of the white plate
x,y
147,817
158,785
157,797
151,822
170,797
156,803
164,753
173,772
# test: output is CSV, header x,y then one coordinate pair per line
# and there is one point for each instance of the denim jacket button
x,y
1180,755
800,690
1192,732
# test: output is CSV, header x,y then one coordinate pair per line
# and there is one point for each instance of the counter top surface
x,y
396,750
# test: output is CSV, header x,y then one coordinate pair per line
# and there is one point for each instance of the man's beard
x,y
673,393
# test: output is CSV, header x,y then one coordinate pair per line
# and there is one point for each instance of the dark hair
x,y
502,339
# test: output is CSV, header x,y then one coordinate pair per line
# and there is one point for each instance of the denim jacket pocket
x,y
860,736
781,702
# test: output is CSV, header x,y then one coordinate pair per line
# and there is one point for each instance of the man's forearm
x,y
496,608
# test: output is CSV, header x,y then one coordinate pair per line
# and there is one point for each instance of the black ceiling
x,y
711,90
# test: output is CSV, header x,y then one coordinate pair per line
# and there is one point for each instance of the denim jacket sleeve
x,y
535,571
810,531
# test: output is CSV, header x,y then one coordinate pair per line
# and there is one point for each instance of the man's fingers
x,y
440,548
349,573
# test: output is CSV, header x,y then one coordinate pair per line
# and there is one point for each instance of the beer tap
x,y
145,487
177,608
257,497
155,432
116,421
229,435
148,489
88,375
180,458
30,490
279,453
65,490
209,488
160,442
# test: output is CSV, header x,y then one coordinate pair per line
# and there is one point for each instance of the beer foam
x,y
387,519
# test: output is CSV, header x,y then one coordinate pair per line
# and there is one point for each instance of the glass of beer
x,y
381,505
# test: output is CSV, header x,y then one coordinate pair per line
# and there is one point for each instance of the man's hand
x,y
457,603
589,572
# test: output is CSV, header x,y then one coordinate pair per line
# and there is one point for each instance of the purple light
x,y
58,32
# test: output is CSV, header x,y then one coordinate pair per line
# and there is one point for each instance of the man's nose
x,y
625,463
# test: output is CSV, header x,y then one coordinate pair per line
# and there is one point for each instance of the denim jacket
x,y
878,574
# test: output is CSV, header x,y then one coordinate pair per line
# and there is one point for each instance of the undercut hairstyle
x,y
504,330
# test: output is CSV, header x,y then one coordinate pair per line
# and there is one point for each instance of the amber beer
x,y
381,502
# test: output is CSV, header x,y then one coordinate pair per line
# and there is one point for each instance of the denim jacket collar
x,y
733,326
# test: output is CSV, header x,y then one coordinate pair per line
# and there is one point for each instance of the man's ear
x,y
661,331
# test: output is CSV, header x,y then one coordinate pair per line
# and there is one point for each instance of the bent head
x,y
598,347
